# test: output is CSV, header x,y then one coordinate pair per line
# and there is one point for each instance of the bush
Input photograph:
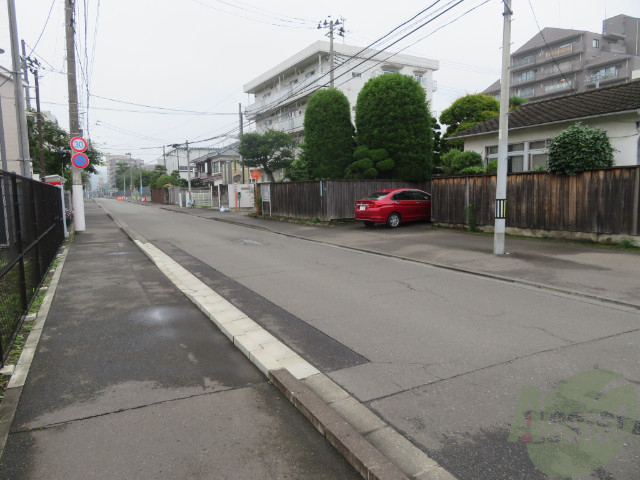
x,y
492,167
579,148
454,161
472,171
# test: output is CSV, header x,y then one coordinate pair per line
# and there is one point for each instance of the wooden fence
x,y
599,201
326,199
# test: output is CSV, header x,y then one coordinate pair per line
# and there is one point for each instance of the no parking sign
x,y
80,160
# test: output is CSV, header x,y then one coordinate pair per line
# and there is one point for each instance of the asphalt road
x,y
443,356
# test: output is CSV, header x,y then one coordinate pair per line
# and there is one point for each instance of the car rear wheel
x,y
368,224
393,220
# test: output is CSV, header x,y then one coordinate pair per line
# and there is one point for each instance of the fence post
x,y
18,227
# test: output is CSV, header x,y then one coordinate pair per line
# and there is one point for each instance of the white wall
x,y
11,136
621,129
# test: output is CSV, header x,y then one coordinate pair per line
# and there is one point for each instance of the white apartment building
x,y
179,157
278,98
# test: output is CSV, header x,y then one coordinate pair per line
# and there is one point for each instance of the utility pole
x,y
74,122
189,198
34,67
130,176
26,77
164,157
21,114
503,136
3,151
240,137
330,25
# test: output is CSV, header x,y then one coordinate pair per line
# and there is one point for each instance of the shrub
x,y
492,167
579,148
454,161
475,170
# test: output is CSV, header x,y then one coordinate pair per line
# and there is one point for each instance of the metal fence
x,y
31,232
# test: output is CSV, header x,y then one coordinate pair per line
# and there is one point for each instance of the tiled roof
x,y
600,101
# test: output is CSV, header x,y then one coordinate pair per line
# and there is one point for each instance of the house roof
x,y
619,98
228,151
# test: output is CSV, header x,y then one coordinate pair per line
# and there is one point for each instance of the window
x,y
415,195
420,79
538,160
596,43
526,60
559,84
524,76
356,75
525,92
515,164
310,74
560,50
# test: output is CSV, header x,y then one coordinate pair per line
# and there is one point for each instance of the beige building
x,y
558,61
11,137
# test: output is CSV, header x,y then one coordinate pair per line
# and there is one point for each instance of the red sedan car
x,y
394,206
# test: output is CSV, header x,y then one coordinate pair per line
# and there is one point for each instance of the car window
x,y
377,195
402,196
420,195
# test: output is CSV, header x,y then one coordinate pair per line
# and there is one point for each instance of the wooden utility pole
x,y
77,194
34,67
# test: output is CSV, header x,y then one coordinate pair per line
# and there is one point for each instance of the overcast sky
x,y
192,57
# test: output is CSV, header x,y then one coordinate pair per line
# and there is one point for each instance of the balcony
x,y
600,77
557,86
286,93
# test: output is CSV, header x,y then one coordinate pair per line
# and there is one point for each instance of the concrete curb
x,y
9,404
368,443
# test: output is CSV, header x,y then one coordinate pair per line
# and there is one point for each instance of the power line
x,y
162,108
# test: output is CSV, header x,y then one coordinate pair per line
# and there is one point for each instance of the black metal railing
x,y
31,232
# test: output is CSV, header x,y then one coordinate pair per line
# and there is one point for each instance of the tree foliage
x,y
464,113
328,136
269,151
392,114
455,162
370,164
579,148
56,150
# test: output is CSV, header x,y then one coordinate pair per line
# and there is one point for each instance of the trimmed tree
x,y
464,113
455,162
392,114
579,148
328,136
269,151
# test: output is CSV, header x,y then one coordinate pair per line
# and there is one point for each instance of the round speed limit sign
x,y
78,144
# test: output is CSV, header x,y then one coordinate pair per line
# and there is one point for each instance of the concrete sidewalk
x,y
590,271
129,379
